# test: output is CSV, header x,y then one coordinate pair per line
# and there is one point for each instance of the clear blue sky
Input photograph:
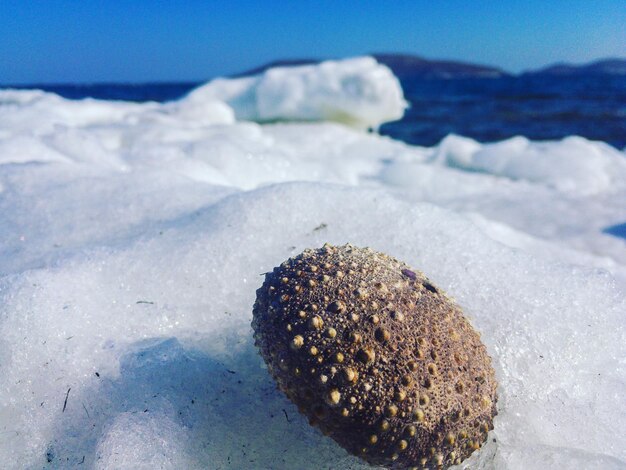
x,y
136,40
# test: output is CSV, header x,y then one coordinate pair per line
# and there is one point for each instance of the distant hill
x,y
408,66
405,66
276,63
599,67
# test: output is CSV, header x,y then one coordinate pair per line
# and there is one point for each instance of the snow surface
x,y
359,92
133,238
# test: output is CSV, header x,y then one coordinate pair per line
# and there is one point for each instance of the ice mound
x,y
164,322
359,92
33,112
574,164
133,238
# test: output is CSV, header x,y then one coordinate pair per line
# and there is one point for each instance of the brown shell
x,y
376,356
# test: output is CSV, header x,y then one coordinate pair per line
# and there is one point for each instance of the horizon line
x,y
313,60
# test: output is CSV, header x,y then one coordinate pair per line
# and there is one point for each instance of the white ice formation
x,y
133,238
358,92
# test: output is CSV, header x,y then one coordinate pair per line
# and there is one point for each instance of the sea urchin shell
x,y
376,356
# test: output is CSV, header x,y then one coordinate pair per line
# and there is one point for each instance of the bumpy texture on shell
x,y
376,356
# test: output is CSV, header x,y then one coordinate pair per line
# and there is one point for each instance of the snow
x,y
133,238
359,92
573,164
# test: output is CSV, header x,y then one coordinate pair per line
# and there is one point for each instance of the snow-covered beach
x,y
133,238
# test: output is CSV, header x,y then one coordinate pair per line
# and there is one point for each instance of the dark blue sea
x,y
486,109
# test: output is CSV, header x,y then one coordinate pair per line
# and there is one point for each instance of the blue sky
x,y
67,41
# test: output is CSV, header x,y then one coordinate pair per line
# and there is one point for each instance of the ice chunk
x,y
38,112
26,112
574,164
359,92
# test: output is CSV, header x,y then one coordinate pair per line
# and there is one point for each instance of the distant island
x,y
405,66
599,67
410,66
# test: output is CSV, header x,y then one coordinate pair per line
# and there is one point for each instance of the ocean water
x,y
133,236
537,107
